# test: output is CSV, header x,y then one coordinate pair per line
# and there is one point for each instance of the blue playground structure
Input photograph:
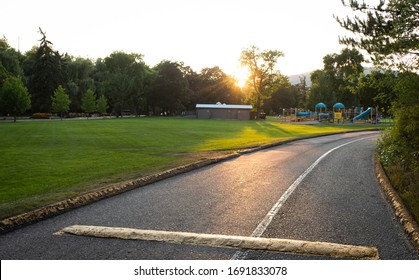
x,y
364,115
303,114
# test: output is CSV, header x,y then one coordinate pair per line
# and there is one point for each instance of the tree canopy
x,y
60,101
388,31
264,79
14,96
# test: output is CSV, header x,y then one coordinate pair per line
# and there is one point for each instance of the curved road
x,y
319,189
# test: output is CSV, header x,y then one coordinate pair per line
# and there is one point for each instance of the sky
x,y
199,33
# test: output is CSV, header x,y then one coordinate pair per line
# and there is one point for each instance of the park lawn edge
x,y
85,198
406,219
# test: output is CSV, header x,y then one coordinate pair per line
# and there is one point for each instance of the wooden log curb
x,y
217,240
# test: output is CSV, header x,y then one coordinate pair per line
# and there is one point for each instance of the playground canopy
x,y
320,106
338,106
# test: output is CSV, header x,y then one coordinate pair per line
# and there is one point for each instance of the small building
x,y
223,111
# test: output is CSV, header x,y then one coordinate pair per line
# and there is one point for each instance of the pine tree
x,y
47,74
388,32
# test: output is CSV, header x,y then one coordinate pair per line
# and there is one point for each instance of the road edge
x,y
405,218
55,209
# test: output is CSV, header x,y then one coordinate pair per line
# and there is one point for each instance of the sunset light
x,y
199,33
241,74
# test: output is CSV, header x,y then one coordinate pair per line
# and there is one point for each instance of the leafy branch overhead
x,y
389,31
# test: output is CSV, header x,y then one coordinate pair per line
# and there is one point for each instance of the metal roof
x,y
223,106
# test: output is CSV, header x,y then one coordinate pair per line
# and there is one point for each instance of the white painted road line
x,y
216,240
263,225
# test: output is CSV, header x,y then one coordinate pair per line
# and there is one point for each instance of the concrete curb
x,y
12,223
241,242
409,224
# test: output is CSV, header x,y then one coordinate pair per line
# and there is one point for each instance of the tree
x,y
89,104
14,96
338,80
60,101
10,59
322,89
302,90
263,79
169,91
102,105
388,32
377,88
80,79
216,86
47,72
123,81
344,71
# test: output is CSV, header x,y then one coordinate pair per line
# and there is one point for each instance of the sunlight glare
x,y
241,74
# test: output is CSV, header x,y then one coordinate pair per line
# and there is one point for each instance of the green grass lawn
x,y
42,162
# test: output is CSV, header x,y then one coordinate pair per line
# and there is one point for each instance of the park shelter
x,y
223,111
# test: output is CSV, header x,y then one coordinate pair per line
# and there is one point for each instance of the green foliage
x,y
60,101
263,79
398,151
377,88
388,31
122,81
89,104
212,85
339,79
169,90
80,73
102,105
9,60
14,96
45,73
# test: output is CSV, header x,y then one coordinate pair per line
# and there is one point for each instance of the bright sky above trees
x,y
199,33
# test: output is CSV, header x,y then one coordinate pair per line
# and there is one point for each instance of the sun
x,y
241,75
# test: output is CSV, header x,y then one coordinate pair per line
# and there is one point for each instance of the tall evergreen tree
x,y
47,74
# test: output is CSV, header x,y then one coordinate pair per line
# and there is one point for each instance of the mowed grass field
x,y
42,162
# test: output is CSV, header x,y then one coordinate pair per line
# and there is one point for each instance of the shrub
x,y
398,151
41,115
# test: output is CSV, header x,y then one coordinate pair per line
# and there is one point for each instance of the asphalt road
x,y
337,200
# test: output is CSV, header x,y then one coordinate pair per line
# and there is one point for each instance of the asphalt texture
x,y
339,201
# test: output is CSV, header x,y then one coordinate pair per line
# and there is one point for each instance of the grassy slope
x,y
43,162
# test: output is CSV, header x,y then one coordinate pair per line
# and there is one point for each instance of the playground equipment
x,y
338,109
371,115
303,114
296,115
339,114
363,114
320,109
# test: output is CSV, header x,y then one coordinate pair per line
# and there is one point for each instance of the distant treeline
x,y
129,86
